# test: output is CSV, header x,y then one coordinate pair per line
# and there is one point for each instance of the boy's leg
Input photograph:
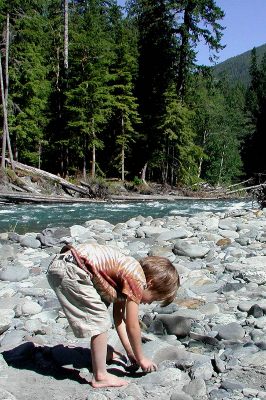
x,y
101,378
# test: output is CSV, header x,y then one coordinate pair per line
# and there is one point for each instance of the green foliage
x,y
132,94
238,68
137,181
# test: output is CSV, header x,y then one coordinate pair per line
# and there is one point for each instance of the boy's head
x,y
162,277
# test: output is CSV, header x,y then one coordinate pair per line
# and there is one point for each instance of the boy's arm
x,y
134,336
119,316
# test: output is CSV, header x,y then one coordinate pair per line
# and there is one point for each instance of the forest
x,y
91,88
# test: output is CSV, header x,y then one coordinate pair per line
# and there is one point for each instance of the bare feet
x,y
108,380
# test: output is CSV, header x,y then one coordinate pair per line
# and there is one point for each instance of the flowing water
x,y
35,218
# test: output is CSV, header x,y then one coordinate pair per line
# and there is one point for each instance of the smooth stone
x,y
232,331
229,287
175,324
31,308
202,370
32,242
5,323
170,309
256,359
150,231
180,396
33,325
180,233
13,338
187,249
196,389
159,351
209,309
45,316
245,305
229,234
7,252
232,385
190,313
14,273
256,311
77,230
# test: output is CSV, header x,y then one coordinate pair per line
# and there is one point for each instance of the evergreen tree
x,y
123,103
88,96
194,14
253,153
183,154
28,85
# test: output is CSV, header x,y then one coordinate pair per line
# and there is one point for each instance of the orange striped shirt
x,y
114,274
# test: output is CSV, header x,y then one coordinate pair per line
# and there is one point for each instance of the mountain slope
x,y
237,68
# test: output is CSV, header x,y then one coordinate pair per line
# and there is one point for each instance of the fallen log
x,y
247,188
57,179
30,198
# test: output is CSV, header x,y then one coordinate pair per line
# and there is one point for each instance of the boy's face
x,y
149,296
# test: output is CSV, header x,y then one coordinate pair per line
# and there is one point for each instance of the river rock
x,y
14,273
209,339
175,324
232,331
184,248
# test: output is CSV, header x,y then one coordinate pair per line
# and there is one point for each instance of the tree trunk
x,y
52,177
5,137
221,165
143,174
66,37
122,152
93,162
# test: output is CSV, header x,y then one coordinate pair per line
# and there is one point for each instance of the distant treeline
x,y
238,68
91,88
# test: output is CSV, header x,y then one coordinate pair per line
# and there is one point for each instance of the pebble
x,y
210,343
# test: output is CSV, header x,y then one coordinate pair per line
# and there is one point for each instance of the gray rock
x,y
175,324
232,385
14,273
5,323
202,370
184,248
256,311
232,331
180,233
13,339
180,396
196,389
30,241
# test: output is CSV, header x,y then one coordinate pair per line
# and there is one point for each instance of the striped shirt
x,y
115,276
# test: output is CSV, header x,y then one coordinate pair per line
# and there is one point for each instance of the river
x,y
34,218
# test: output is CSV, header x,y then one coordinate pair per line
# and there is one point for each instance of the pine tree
x,y
194,14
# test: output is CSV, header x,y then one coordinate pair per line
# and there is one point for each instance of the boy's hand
x,y
147,365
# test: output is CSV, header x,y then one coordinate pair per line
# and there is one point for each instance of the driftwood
x,y
39,198
246,188
54,178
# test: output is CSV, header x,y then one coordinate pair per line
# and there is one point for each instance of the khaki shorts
x,y
87,314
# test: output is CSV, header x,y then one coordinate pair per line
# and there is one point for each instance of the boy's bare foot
x,y
108,380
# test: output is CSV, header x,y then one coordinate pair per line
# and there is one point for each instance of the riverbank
x,y
209,344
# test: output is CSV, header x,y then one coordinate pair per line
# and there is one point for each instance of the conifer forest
x,y
91,88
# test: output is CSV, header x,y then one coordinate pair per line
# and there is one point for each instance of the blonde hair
x,y
163,276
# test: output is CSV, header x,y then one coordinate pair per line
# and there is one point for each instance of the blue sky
x,y
245,23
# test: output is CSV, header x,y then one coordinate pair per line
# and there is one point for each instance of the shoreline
x,y
18,198
210,341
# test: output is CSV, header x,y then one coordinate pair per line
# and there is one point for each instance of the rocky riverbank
x,y
209,344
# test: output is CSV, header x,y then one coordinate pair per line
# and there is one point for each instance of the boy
x,y
87,278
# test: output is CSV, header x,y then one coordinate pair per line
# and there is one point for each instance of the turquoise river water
x,y
35,218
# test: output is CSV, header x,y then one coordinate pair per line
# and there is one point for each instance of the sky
x,y
245,23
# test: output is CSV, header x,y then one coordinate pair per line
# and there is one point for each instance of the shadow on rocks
x,y
59,362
